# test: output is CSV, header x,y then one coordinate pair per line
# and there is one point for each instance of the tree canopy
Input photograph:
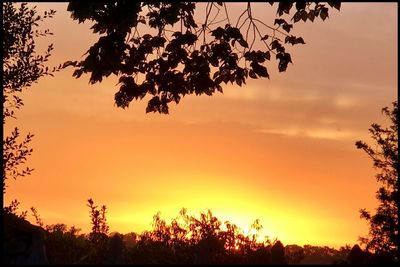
x,y
22,66
184,55
184,239
383,238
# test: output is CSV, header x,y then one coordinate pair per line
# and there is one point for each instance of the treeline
x,y
185,240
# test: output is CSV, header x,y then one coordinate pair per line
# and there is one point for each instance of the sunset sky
x,y
280,150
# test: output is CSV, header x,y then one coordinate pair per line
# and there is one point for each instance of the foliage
x,y
278,254
98,220
99,235
324,255
186,239
22,67
383,237
184,56
13,208
65,245
204,240
36,215
294,254
357,256
15,153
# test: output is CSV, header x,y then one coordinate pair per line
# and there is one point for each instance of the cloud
x,y
344,101
320,133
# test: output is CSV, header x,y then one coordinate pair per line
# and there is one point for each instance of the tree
x,y
196,240
383,237
356,256
99,234
64,245
278,253
184,56
99,222
22,67
294,254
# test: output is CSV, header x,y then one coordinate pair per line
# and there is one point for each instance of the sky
x,y
279,150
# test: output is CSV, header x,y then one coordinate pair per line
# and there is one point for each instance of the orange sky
x,y
281,150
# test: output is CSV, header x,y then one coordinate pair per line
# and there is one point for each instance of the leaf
x,y
299,40
252,74
265,37
284,59
284,7
296,17
218,33
268,55
294,40
260,70
218,80
304,15
234,33
69,63
274,44
231,78
243,43
77,73
238,80
324,13
263,72
335,5
287,27
290,39
300,5
279,21
311,15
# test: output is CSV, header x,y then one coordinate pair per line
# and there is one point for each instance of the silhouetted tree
x,y
65,245
12,208
294,254
98,221
99,234
115,249
172,243
278,253
177,55
324,255
200,240
357,256
22,67
383,237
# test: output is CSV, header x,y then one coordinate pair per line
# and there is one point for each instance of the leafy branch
x,y
195,59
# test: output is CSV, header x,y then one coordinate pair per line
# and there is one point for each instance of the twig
x,y
237,22
226,12
274,29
